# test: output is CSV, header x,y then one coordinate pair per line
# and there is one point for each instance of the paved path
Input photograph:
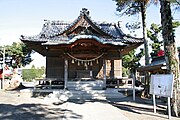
x,y
92,111
19,106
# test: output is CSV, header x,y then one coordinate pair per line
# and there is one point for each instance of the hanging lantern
x,y
78,63
85,64
97,62
72,60
91,63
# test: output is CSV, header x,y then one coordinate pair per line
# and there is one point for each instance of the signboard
x,y
162,85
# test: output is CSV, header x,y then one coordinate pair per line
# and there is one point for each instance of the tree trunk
x,y
143,14
170,49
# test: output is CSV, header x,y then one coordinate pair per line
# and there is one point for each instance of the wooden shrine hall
x,y
82,50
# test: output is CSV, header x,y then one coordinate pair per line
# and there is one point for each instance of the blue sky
x,y
26,17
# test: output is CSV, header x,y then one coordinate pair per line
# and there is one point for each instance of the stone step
x,y
85,85
89,94
85,88
95,94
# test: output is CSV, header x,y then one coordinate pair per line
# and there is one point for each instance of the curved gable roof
x,y
58,32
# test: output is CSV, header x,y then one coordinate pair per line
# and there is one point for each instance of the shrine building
x,y
83,49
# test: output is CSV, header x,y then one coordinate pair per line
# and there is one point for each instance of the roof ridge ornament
x,y
84,11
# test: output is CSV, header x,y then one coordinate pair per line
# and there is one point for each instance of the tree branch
x,y
178,2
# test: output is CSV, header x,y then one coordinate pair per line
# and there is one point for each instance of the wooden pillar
x,y
65,73
112,70
104,72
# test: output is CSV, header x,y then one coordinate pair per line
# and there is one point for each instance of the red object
x,y
1,73
6,67
6,72
160,53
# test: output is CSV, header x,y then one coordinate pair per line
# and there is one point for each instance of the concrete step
x,y
88,94
95,94
85,85
64,95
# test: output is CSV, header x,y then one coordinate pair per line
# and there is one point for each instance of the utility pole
x,y
3,65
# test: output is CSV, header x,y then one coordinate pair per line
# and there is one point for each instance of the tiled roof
x,y
52,32
158,62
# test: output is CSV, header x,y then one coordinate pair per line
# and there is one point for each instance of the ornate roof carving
x,y
61,32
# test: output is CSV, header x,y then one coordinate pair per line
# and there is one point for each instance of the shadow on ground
x,y
41,111
33,112
133,106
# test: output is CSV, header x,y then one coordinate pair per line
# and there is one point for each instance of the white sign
x,y
162,85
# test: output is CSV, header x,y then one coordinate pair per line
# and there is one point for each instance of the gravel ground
x,y
20,106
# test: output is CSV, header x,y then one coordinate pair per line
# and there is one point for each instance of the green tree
x,y
132,7
40,72
131,61
28,74
17,55
170,49
154,35
33,73
167,33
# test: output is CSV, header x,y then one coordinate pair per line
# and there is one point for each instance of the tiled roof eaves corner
x,y
132,39
33,38
53,28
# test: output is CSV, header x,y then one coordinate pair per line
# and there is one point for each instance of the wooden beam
x,y
65,73
104,72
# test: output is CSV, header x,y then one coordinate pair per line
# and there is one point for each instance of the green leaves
x,y
154,34
131,61
128,7
33,73
176,24
19,55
